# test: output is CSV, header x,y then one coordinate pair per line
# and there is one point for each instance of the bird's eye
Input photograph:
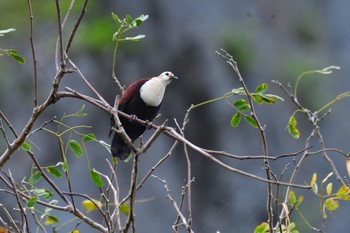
x,y
167,74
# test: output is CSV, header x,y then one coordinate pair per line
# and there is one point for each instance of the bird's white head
x,y
166,77
152,91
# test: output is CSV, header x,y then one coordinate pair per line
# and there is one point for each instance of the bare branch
x,y
32,45
25,226
9,217
76,26
168,195
87,82
59,58
132,193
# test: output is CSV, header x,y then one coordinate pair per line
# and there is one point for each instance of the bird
x,y
142,99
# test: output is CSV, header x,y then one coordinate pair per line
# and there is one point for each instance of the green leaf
x,y
244,108
89,137
276,97
32,201
26,147
105,145
135,38
45,193
128,158
14,54
96,178
54,171
291,226
116,19
257,98
138,21
3,32
51,219
124,209
292,198
129,19
238,91
300,200
238,103
262,228
236,119
251,121
35,177
76,148
241,105
267,100
261,88
293,131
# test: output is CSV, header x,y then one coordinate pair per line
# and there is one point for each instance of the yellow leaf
x,y
90,206
313,180
343,191
329,188
331,204
348,166
313,183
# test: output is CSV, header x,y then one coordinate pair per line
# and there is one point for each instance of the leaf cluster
x,y
313,115
241,106
329,198
127,24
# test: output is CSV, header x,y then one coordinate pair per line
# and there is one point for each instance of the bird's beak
x,y
175,77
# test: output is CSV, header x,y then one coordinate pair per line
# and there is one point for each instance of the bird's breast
x,y
152,92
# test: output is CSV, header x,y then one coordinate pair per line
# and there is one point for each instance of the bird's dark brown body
x,y
144,106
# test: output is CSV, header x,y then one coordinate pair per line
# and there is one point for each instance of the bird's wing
x,y
133,89
127,97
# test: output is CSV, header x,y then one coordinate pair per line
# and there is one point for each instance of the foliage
x,y
11,52
241,107
40,193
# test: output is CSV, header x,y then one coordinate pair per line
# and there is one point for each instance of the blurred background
x,y
270,40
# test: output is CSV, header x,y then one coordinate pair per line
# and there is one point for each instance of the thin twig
x,y
9,217
42,126
328,159
4,133
115,217
60,61
189,173
76,26
37,221
8,123
66,171
154,136
25,226
87,82
132,193
168,195
32,45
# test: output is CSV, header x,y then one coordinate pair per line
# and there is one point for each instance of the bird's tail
x,y
119,148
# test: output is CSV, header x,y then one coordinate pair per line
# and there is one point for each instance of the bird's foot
x,y
148,124
133,118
